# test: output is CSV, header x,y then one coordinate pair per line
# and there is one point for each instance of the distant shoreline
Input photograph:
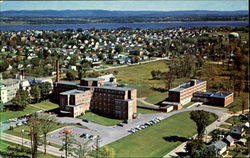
x,y
142,25
181,21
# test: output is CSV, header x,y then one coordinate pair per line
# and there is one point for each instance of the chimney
x,y
57,71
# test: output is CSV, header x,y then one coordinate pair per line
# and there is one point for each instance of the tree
x,y
46,89
3,65
35,92
200,117
82,148
107,152
198,149
21,100
46,125
71,75
34,130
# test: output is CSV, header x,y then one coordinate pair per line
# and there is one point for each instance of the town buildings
x,y
100,95
9,88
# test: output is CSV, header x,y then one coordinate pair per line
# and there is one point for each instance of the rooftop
x,y
72,92
220,94
68,83
115,88
185,86
92,79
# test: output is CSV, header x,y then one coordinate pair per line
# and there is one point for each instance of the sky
x,y
167,5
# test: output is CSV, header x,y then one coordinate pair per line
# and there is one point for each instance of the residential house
x,y
237,131
219,146
229,140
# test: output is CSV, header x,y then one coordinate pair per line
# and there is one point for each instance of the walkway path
x,y
17,140
142,100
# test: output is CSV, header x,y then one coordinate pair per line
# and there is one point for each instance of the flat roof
x,y
68,83
72,92
184,86
115,88
92,79
219,94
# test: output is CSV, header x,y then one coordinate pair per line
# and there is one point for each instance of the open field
x,y
155,141
100,119
4,145
139,77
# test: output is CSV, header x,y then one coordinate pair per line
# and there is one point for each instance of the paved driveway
x,y
110,134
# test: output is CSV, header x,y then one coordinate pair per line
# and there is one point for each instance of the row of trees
x,y
37,93
43,123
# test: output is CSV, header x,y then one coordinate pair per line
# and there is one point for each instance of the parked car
x,y
120,124
84,120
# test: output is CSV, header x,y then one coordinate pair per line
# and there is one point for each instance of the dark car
x,y
84,120
120,124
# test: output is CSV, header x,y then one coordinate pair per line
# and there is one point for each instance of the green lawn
x,y
100,119
47,105
5,144
225,126
236,105
146,111
150,142
233,119
188,104
17,131
13,114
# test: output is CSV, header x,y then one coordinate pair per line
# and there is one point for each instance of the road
x,y
17,140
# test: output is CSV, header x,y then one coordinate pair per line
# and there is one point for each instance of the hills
x,y
106,13
105,16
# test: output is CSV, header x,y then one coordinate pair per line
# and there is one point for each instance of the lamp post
x,y
22,131
66,132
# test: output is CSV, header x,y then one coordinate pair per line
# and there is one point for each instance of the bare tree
x,y
82,148
47,122
34,130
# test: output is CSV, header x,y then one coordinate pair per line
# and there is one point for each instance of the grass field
x,y
151,142
5,144
13,114
139,77
100,119
146,111
46,105
17,131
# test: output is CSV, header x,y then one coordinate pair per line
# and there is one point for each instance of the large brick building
x,y
92,94
195,90
214,98
183,93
